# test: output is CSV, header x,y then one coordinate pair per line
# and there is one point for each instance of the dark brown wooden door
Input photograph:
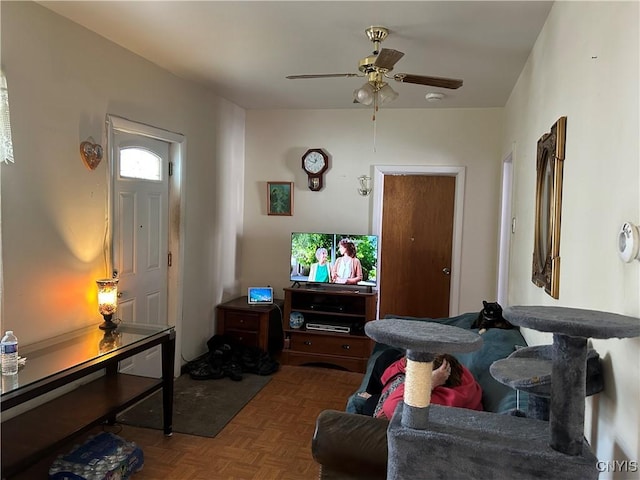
x,y
417,238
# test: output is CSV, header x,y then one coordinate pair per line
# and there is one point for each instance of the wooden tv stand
x,y
37,433
328,307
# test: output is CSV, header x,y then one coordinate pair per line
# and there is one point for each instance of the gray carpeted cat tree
x,y
435,442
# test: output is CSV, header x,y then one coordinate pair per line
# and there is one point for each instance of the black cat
x,y
491,317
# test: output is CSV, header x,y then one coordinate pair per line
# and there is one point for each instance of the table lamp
x,y
108,301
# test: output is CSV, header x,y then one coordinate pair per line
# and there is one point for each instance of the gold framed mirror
x,y
546,245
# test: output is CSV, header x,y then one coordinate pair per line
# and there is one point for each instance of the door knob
x,y
446,271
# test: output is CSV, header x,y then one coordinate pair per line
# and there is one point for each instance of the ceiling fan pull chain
x,y
374,136
375,108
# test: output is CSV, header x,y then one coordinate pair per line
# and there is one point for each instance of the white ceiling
x,y
243,50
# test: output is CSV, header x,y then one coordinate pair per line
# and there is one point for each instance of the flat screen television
x,y
309,248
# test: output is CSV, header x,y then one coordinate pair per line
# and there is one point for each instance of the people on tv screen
x,y
331,258
347,269
321,270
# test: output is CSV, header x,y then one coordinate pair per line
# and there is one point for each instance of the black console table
x,y
54,363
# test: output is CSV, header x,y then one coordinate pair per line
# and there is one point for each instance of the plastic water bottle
x,y
9,353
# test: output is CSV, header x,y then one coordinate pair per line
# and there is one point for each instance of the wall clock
x,y
315,162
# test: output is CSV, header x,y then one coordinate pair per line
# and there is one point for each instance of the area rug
x,y
200,407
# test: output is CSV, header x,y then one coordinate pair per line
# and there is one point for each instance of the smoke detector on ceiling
x,y
434,96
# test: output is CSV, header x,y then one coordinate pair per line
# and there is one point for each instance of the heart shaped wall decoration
x,y
91,153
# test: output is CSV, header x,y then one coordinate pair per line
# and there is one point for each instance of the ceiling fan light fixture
x,y
387,94
365,94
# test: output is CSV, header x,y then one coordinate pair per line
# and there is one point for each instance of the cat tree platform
x,y
448,442
571,328
528,369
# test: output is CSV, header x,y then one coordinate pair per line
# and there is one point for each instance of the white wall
x,y
585,66
63,80
276,141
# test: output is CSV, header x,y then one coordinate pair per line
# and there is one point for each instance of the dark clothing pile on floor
x,y
228,358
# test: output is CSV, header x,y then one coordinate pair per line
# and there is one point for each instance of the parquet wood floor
x,y
270,439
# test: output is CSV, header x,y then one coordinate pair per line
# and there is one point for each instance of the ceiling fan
x,y
376,68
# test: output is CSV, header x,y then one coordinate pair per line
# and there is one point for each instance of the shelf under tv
x,y
349,350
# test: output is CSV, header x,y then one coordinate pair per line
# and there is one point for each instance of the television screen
x,y
337,258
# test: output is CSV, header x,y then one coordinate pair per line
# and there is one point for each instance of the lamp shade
x,y
387,94
107,295
365,94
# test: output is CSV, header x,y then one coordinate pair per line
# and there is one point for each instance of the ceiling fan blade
x,y
451,83
323,75
387,58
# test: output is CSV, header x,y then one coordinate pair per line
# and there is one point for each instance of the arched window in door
x,y
140,163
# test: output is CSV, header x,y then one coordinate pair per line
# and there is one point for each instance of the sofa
x,y
348,445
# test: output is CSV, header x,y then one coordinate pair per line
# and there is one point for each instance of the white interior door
x,y
141,238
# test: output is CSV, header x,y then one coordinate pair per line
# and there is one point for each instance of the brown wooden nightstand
x,y
252,325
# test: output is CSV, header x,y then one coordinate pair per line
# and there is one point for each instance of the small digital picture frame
x,y
260,295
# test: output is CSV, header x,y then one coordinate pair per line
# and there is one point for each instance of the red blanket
x,y
467,395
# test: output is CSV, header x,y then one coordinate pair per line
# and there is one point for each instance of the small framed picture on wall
x,y
280,198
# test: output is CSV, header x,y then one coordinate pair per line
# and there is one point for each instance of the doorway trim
x,y
177,156
380,171
507,228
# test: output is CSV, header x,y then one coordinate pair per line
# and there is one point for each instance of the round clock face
x,y
314,162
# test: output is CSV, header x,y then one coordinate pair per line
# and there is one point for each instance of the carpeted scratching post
x,y
430,441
